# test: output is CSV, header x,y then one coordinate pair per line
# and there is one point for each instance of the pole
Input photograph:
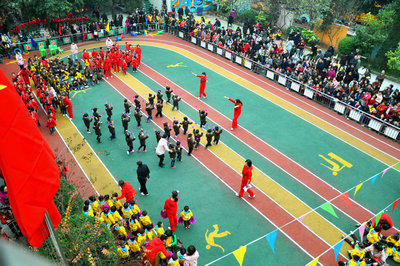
x,y
54,240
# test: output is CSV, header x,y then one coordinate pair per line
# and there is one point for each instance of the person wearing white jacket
x,y
162,147
191,256
74,51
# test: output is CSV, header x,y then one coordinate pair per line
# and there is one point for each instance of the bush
x,y
294,27
84,240
347,45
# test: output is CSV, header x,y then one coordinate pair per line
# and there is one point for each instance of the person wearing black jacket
x,y
111,128
129,138
143,175
87,121
109,111
97,130
125,120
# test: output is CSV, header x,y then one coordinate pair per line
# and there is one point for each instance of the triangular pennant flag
x,y
271,237
314,262
239,254
397,165
374,179
384,171
337,248
345,197
357,188
328,207
301,218
378,218
395,205
361,230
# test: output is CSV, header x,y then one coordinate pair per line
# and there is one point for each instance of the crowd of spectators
x,y
340,78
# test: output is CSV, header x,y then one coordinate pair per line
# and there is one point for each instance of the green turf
x,y
283,130
284,179
210,200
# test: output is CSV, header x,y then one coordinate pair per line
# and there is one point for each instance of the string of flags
x,y
327,206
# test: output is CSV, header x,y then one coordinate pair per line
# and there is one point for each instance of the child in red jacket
x,y
51,124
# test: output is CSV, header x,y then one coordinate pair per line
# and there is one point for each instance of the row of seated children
x,y
375,248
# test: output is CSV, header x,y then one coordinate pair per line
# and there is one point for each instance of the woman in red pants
x,y
247,173
171,208
203,81
237,112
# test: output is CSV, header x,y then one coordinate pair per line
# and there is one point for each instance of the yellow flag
x,y
358,188
239,254
108,27
314,262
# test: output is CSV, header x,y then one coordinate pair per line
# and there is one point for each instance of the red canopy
x,y
28,165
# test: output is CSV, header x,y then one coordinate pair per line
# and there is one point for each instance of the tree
x,y
393,59
10,11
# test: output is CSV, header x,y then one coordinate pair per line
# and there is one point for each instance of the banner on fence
x,y
66,40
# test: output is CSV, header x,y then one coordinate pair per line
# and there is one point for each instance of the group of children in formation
x,y
51,92
175,153
375,248
134,228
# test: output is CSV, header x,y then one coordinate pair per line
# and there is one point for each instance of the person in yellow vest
x,y
126,211
186,217
109,201
134,224
95,205
390,249
134,207
394,238
355,261
141,237
114,212
145,220
174,260
396,255
117,203
123,250
149,235
181,255
133,245
107,217
119,227
87,210
374,235
159,229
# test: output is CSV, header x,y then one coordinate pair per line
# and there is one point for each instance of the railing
x,y
350,112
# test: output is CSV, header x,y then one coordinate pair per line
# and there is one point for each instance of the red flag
x,y
395,205
28,165
345,197
59,29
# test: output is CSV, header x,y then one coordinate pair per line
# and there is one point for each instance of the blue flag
x,y
33,42
337,248
271,237
374,179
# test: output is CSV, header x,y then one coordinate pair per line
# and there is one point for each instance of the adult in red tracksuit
x,y
25,75
107,67
237,111
128,192
203,81
68,104
86,58
115,60
246,179
171,208
138,52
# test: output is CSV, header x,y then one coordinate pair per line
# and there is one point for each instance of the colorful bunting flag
x,y
374,179
239,254
314,262
384,171
395,205
357,188
378,218
337,248
361,230
271,237
328,207
397,165
301,218
345,197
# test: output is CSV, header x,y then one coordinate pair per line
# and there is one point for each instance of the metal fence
x,y
342,108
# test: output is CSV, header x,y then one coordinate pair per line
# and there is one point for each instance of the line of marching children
x,y
175,150
135,230
374,248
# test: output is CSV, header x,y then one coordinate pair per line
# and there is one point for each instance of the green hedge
x,y
347,45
